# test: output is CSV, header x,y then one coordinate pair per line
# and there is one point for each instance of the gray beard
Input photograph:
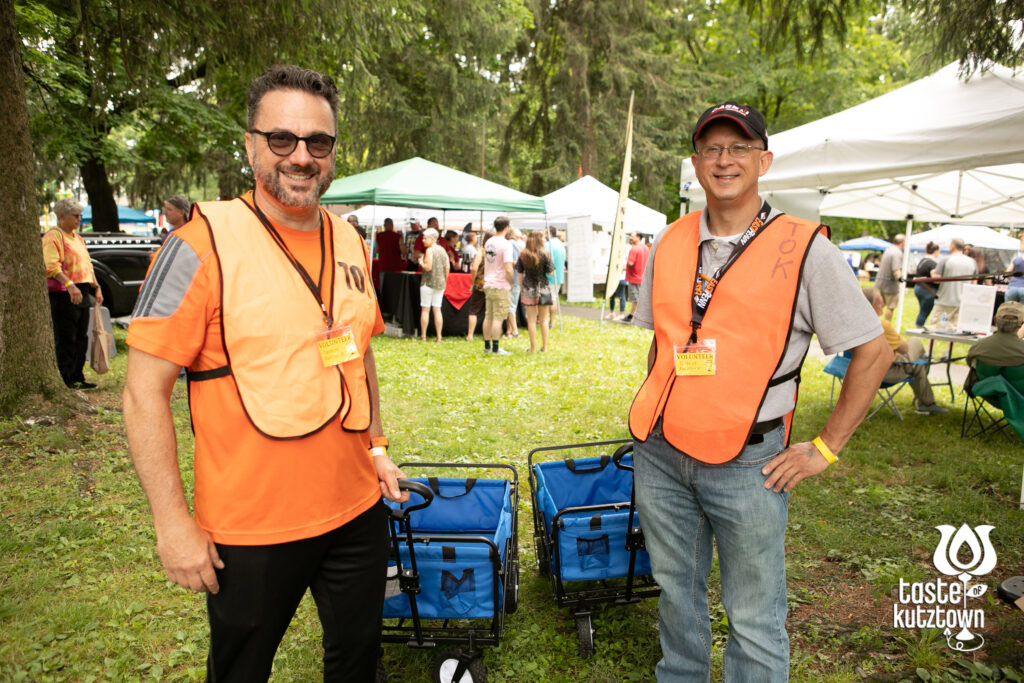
x,y
270,179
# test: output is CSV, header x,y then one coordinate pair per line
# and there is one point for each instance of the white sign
x,y
977,304
580,273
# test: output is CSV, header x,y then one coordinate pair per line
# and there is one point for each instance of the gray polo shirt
x,y
829,304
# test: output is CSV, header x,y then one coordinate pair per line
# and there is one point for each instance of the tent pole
x,y
903,280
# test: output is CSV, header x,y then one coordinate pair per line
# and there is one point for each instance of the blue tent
x,y
124,215
865,243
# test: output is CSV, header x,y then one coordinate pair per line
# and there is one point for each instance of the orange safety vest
x,y
269,321
750,316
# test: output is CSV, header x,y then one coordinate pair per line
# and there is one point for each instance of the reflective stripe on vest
x,y
710,418
269,323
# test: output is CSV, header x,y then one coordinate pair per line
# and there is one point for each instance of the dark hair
x,y
500,223
179,202
931,248
553,231
288,77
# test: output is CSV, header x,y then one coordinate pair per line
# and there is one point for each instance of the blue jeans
x,y
926,300
619,294
1015,294
684,504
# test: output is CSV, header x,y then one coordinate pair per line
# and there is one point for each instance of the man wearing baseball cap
x,y
1004,347
711,423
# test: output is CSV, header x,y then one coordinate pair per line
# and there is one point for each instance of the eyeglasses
x,y
737,151
282,143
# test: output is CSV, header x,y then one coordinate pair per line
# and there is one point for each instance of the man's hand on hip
x,y
788,468
189,557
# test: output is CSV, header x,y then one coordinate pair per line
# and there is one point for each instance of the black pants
x,y
70,333
261,586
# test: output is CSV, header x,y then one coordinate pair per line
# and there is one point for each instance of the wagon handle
x,y
617,456
415,487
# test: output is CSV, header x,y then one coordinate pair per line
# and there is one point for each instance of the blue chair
x,y
839,363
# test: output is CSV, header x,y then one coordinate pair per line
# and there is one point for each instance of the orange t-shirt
x,y
249,489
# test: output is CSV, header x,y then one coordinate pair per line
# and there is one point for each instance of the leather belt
x,y
762,428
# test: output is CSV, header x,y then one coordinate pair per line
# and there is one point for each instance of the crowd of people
x,y
938,279
504,273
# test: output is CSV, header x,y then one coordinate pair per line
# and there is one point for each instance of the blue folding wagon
x,y
454,567
587,530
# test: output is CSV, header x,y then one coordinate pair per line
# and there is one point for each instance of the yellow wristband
x,y
378,450
825,451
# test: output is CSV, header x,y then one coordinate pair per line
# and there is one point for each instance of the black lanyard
x,y
313,287
704,286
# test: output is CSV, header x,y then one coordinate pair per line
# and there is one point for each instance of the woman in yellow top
x,y
71,281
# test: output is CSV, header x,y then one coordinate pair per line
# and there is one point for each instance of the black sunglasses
x,y
282,143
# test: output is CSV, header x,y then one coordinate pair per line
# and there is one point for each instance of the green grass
x,y
83,597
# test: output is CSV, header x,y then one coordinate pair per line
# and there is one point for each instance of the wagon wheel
x,y
585,635
446,664
543,558
512,592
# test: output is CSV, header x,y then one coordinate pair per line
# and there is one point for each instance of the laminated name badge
x,y
337,345
695,359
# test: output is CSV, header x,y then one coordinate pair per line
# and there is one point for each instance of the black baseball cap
x,y
746,116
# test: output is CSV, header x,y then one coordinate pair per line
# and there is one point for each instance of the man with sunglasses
x,y
268,301
711,423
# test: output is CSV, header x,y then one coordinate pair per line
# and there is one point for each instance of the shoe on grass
x,y
933,409
501,352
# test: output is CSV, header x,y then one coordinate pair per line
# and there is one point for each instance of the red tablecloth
x,y
458,289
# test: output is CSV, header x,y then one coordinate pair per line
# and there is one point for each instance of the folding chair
x,y
992,388
837,366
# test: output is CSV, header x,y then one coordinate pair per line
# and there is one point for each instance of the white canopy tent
x,y
939,149
588,196
978,235
584,197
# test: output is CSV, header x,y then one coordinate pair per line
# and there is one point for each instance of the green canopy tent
x,y
421,183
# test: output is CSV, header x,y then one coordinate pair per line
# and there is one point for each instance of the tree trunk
x,y
28,361
101,195
579,69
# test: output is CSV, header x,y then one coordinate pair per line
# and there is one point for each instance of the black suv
x,y
120,261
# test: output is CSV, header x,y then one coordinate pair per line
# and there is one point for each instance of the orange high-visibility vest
x,y
270,321
711,417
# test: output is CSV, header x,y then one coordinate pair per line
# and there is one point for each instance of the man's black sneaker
x,y
628,318
84,385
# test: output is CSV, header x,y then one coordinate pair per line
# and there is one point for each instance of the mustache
x,y
312,169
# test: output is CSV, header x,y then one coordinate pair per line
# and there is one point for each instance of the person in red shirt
x,y
290,458
636,262
389,248
451,238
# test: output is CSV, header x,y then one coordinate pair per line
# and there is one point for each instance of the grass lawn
x,y
83,596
